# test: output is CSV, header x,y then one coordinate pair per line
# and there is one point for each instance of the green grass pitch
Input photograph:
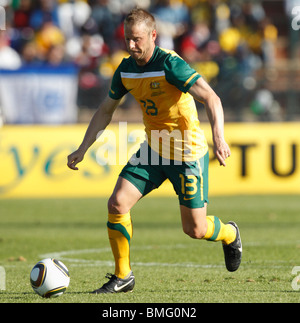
x,y
169,266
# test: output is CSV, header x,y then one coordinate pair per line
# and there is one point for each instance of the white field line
x,y
68,255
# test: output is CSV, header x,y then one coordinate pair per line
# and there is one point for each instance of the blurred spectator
x,y
194,41
72,16
90,86
172,18
48,35
265,106
46,12
55,55
268,46
22,14
101,21
9,58
230,42
29,53
90,51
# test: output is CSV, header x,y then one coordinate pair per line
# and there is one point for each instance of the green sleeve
x,y
179,73
117,89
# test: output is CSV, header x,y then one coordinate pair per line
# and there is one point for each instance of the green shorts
x,y
147,171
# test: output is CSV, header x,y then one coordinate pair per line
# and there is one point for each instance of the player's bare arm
x,y
100,120
202,92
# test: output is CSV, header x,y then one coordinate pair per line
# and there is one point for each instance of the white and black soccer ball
x,y
49,278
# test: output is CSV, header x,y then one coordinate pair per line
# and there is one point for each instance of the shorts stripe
x,y
201,177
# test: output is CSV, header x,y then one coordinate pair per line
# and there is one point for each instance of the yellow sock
x,y
119,228
218,231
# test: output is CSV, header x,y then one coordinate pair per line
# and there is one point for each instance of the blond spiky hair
x,y
138,15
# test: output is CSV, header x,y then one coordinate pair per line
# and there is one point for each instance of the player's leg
x,y
124,197
190,181
198,225
119,227
134,183
129,188
194,222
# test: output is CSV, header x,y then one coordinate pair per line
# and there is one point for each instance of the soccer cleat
x,y
116,285
233,251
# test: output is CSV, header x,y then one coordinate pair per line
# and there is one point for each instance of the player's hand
x,y
75,158
222,151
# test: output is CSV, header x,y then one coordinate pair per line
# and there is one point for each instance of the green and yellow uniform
x,y
175,147
171,125
161,88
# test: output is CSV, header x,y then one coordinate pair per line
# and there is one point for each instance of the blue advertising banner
x,y
39,94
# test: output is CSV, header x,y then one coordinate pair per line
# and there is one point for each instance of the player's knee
x,y
195,232
116,206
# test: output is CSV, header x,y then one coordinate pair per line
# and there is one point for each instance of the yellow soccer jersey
x,y
169,111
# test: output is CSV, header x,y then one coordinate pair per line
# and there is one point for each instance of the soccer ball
x,y
49,278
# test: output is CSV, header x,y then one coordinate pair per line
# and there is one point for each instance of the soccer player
x,y
165,86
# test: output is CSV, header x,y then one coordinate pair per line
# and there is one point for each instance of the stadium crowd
x,y
227,41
